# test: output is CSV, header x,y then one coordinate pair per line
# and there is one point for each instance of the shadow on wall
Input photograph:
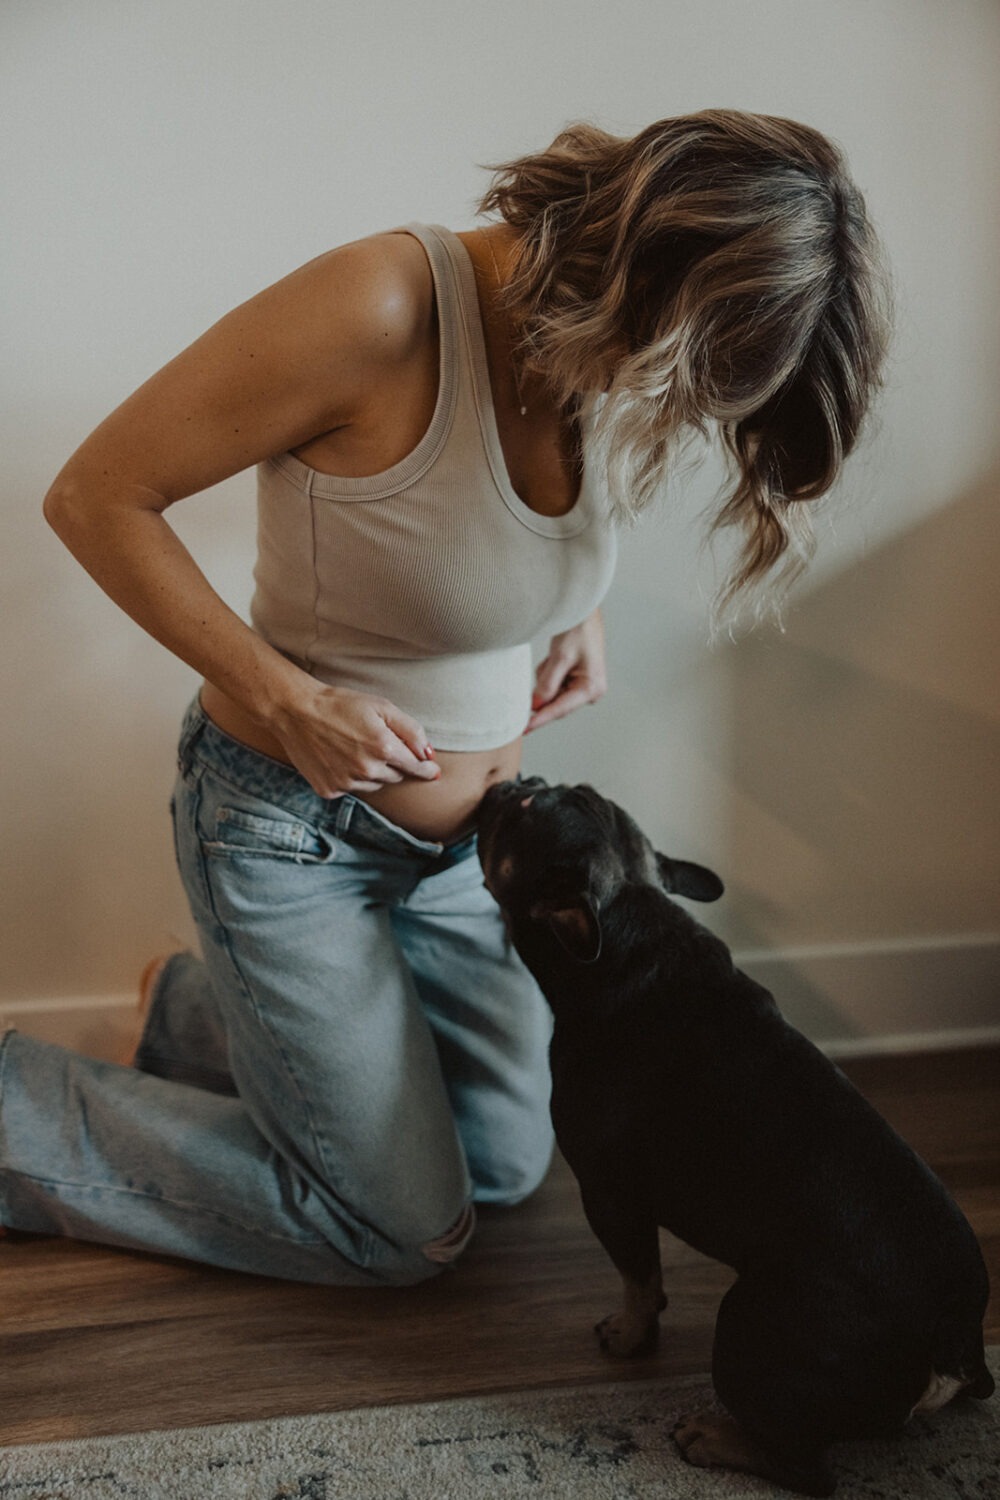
x,y
865,774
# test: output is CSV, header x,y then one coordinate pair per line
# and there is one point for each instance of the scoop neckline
x,y
579,514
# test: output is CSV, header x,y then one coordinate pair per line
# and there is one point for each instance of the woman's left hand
x,y
573,673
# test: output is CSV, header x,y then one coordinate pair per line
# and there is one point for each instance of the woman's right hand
x,y
346,741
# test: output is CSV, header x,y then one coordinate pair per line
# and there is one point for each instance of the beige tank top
x,y
427,583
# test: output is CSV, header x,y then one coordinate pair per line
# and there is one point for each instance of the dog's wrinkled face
x,y
559,854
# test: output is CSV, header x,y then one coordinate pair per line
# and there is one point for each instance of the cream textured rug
x,y
609,1442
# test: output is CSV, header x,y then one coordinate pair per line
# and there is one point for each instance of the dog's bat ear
x,y
575,924
684,878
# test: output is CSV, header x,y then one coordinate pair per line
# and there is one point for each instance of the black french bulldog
x,y
680,1097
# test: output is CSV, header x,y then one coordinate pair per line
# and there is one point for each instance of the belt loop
x,y
192,733
345,809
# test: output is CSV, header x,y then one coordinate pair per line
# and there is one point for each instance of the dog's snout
x,y
502,792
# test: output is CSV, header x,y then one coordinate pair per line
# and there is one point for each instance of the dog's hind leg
x,y
709,1441
775,1384
631,1238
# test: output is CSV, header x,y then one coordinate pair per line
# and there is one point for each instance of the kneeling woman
x,y
446,427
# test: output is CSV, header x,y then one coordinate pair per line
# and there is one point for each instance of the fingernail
x,y
429,753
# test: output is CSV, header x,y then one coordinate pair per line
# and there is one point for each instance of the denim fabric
x,y
356,1055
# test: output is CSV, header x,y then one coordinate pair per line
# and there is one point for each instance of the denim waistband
x,y
262,776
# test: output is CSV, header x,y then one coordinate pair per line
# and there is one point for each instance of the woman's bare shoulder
x,y
380,285
299,358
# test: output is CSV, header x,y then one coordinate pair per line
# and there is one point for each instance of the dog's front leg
x,y
631,1238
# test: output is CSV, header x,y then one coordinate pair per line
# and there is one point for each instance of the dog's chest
x,y
604,1098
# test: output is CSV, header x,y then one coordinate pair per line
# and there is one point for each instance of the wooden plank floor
x,y
97,1341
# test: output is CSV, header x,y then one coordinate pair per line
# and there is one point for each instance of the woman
x,y
359,1056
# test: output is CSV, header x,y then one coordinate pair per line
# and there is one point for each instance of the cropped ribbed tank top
x,y
427,583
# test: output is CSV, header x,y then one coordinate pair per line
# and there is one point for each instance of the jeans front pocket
x,y
238,832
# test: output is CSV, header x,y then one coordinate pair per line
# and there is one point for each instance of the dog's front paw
x,y
628,1338
706,1439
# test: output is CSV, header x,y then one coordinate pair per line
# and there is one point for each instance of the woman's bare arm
x,y
301,358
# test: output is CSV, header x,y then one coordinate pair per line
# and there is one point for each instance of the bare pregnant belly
x,y
442,810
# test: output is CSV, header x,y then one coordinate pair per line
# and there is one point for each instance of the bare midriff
x,y
442,810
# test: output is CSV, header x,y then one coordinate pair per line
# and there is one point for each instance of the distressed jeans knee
x,y
403,1263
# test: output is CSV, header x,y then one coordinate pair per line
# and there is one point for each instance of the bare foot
x,y
147,983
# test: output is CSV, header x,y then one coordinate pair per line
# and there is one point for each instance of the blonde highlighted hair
x,y
716,269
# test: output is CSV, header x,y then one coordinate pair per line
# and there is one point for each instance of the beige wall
x,y
165,161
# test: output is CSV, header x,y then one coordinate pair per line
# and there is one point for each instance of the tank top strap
x,y
458,376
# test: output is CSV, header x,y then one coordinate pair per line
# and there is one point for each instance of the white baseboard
x,y
900,996
96,1025
912,995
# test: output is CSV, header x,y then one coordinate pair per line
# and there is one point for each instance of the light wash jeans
x,y
359,1055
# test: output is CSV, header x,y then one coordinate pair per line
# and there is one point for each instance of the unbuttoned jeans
x,y
358,1055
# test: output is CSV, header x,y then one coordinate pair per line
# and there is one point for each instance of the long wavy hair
x,y
716,270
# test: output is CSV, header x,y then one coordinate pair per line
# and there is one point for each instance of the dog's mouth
x,y
489,858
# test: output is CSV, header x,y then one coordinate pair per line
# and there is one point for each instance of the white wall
x,y
163,161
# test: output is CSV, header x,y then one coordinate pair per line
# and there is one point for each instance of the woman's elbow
x,y
80,509
63,506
